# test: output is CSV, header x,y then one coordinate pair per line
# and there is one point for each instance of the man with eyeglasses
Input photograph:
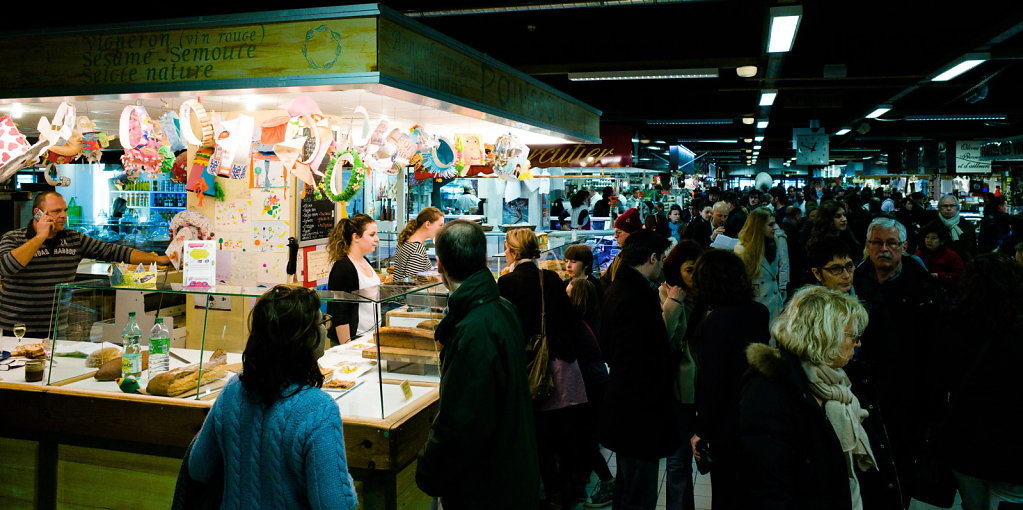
x,y
962,232
831,264
892,372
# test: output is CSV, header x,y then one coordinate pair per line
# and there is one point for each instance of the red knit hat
x,y
629,221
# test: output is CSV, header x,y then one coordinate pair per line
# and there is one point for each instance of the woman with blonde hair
x,y
349,243
801,426
411,259
764,251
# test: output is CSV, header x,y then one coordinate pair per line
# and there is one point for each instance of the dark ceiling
x,y
848,57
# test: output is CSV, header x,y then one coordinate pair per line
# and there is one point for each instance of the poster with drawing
x,y
267,173
235,241
243,268
270,235
269,205
232,216
271,268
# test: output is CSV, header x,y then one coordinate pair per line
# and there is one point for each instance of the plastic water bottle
x,y
131,339
159,348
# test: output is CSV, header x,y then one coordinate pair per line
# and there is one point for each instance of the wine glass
x,y
19,331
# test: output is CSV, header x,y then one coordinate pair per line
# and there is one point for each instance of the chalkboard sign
x,y
315,219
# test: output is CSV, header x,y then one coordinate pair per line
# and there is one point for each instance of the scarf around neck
x,y
953,226
843,411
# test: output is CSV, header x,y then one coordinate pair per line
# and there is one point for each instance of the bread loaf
x,y
112,368
180,380
428,325
31,351
101,356
407,338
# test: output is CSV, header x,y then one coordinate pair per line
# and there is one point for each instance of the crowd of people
x,y
819,353
845,358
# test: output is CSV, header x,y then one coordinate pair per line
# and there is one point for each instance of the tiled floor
x,y
701,489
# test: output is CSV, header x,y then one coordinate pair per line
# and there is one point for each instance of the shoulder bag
x,y
541,381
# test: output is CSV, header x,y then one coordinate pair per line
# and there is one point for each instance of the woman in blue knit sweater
x,y
275,434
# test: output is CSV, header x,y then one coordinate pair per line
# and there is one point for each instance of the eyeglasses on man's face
x,y
891,243
837,270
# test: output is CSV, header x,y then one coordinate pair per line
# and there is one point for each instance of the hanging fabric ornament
x,y
15,151
61,128
205,124
170,124
405,148
332,180
179,170
198,172
93,140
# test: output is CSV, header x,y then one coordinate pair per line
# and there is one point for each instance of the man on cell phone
x,y
34,259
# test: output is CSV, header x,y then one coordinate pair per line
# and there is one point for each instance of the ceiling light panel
x,y
762,124
961,65
655,74
767,97
688,122
955,117
843,131
881,110
784,24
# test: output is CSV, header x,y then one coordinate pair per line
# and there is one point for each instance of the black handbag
x,y
541,380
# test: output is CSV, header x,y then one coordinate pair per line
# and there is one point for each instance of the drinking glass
x,y
19,331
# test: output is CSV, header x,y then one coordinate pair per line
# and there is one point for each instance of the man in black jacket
x,y
637,421
481,452
890,375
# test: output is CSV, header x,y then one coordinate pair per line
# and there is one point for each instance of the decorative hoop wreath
x,y
204,123
329,184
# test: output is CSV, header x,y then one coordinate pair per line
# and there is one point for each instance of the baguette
x,y
180,380
112,368
101,356
407,338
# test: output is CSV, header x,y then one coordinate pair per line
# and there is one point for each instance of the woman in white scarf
x,y
800,422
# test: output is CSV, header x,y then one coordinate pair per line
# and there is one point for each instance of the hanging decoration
x,y
141,139
511,157
93,140
331,182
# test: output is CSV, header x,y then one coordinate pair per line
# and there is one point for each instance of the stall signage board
x,y
968,158
461,76
199,264
615,150
117,60
316,218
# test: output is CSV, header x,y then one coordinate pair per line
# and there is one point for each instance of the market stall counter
x,y
78,438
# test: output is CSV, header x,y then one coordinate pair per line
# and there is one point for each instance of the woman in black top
x,y
732,322
350,241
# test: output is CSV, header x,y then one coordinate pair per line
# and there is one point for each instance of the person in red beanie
x,y
625,225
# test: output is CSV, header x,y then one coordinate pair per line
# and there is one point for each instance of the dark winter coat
x,y
791,455
481,452
982,432
894,373
994,230
720,344
966,246
698,230
637,419
522,288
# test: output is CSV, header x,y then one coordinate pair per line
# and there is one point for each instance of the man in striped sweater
x,y
34,259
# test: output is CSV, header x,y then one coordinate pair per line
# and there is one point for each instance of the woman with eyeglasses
x,y
273,435
800,425
831,264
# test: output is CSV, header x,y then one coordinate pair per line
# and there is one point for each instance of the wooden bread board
x,y
407,338
420,356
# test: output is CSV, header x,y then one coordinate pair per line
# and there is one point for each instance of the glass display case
x,y
374,376
147,236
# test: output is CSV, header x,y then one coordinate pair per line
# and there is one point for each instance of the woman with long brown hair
x,y
411,259
831,221
764,252
349,243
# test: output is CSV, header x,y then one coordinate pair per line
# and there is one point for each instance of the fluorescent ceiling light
x,y
881,110
995,116
758,138
705,140
762,124
660,141
653,147
767,97
756,147
960,66
654,74
843,131
784,23
635,140
687,122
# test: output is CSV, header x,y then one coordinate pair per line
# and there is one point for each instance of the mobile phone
x,y
38,215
